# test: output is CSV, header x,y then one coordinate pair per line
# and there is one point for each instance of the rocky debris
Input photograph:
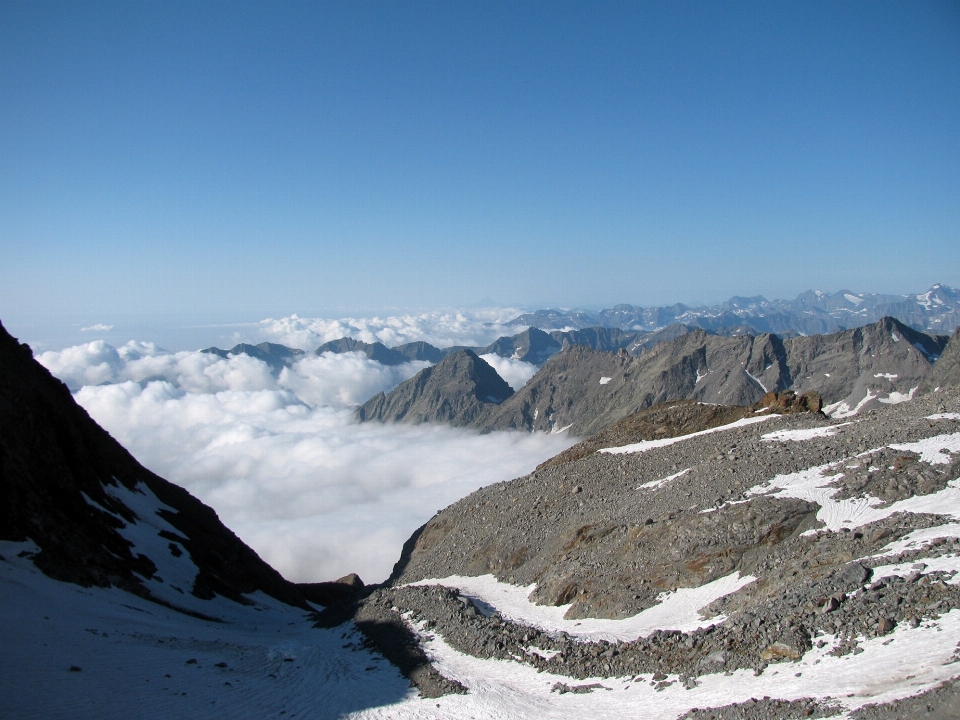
x,y
457,390
767,709
386,631
894,475
563,688
53,457
940,703
608,534
670,419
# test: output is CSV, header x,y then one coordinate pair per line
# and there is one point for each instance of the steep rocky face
x,y
457,390
946,373
882,363
62,480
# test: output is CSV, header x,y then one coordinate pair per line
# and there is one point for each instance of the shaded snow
x,y
133,656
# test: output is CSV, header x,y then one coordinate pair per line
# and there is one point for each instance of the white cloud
x,y
99,327
344,379
440,328
315,494
339,380
515,372
280,458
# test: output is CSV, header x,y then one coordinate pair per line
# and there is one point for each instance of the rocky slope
x,y
584,390
807,545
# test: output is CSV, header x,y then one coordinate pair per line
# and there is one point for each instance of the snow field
x,y
134,656
901,664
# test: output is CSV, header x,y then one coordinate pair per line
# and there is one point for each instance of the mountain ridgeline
x,y
585,389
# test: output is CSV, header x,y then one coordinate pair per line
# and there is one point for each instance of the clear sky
x,y
227,160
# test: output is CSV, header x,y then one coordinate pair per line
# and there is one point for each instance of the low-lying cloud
x,y
329,379
515,372
440,328
281,459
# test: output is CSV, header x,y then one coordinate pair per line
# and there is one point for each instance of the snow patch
x,y
815,485
662,481
843,410
934,450
901,664
888,376
604,380
801,435
897,397
756,380
645,445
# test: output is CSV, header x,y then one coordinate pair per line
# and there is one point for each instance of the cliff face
x,y
946,373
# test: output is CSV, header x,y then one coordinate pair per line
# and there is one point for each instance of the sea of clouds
x,y
279,455
441,328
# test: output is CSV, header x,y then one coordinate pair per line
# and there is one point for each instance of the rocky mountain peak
x,y
458,390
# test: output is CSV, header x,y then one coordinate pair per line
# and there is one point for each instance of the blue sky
x,y
238,160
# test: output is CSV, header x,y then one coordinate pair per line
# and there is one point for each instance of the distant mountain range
x,y
812,312
584,389
637,329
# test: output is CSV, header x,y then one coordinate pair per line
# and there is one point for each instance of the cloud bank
x,y
339,380
515,372
280,458
440,328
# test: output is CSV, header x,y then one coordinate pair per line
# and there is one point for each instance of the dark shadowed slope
x,y
60,477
